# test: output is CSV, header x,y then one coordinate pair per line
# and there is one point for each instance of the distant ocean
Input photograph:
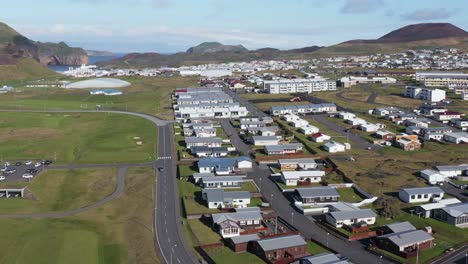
x,y
92,60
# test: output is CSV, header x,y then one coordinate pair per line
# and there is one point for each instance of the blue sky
x,y
175,25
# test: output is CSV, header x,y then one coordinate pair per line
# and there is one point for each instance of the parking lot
x,y
16,169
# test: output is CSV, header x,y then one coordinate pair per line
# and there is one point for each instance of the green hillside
x,y
25,69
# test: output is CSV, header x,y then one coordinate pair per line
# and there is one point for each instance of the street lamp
x,y
328,234
172,250
271,200
381,259
292,218
417,253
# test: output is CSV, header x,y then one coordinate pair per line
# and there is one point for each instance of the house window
x,y
426,196
322,198
413,196
419,196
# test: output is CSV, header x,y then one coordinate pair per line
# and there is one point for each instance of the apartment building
x,y
431,95
283,86
438,79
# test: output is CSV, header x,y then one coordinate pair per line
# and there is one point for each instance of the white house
x,y
356,121
299,123
223,166
265,140
334,147
290,117
368,127
305,177
231,224
319,137
419,195
218,198
346,115
456,137
433,176
309,129
352,217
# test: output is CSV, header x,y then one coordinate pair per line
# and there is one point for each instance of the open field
x,y
151,95
117,232
78,138
61,190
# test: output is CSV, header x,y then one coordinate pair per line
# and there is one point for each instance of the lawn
x,y
117,232
226,256
186,170
191,197
203,233
81,138
349,195
151,95
61,190
314,248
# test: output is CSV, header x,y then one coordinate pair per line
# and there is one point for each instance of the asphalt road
x,y
261,175
460,256
168,223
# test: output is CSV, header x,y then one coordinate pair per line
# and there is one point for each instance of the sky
x,y
168,26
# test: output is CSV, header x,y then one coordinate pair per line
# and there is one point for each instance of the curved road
x,y
169,236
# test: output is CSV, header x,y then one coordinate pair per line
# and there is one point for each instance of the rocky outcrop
x,y
63,59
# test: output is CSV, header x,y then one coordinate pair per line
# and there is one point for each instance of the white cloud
x,y
361,6
426,14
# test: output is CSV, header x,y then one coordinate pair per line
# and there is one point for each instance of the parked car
x,y
10,171
27,176
31,171
47,162
7,164
18,163
3,169
2,178
28,162
38,164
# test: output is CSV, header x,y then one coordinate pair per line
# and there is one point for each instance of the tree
x,y
390,207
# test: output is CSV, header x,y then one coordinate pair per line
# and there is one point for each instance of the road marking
x,y
164,158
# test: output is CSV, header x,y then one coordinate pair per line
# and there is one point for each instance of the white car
x,y
38,164
28,162
3,169
27,176
7,164
2,178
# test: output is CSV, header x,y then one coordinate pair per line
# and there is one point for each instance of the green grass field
x,y
151,95
117,232
61,190
78,138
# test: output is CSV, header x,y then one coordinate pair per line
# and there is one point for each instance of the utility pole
x,y
417,254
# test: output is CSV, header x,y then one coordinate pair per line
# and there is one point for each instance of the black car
x,y
48,162
19,163
31,171
161,169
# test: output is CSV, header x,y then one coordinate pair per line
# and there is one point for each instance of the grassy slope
x,y
26,69
117,232
79,138
61,190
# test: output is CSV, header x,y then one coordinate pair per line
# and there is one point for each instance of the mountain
x,y
45,53
306,49
99,53
207,47
418,36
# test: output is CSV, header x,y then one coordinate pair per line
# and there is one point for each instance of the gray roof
x,y
345,215
407,238
452,168
302,161
203,140
457,209
400,227
201,175
317,192
273,243
219,195
244,238
237,216
222,179
283,147
205,149
422,190
255,138
221,162
324,258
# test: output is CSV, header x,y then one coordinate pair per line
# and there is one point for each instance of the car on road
x,y
38,164
28,162
3,169
31,171
27,176
47,162
161,169
18,163
10,171
2,178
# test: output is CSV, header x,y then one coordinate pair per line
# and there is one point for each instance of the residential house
x,y
405,243
421,194
203,151
264,131
455,214
417,123
462,124
385,135
265,140
448,115
356,121
316,195
369,127
299,123
297,164
308,129
413,130
383,111
319,137
290,117
456,137
206,142
438,130
205,132
323,258
218,198
241,243
221,182
346,115
358,217
427,210
334,147
281,249
290,148
305,177
222,166
233,224
408,144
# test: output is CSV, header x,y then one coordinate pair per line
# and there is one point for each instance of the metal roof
x,y
407,238
283,147
452,168
237,216
203,140
304,173
317,192
441,204
457,210
324,258
212,162
219,195
345,215
400,227
255,138
244,238
422,190
298,161
273,243
222,179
